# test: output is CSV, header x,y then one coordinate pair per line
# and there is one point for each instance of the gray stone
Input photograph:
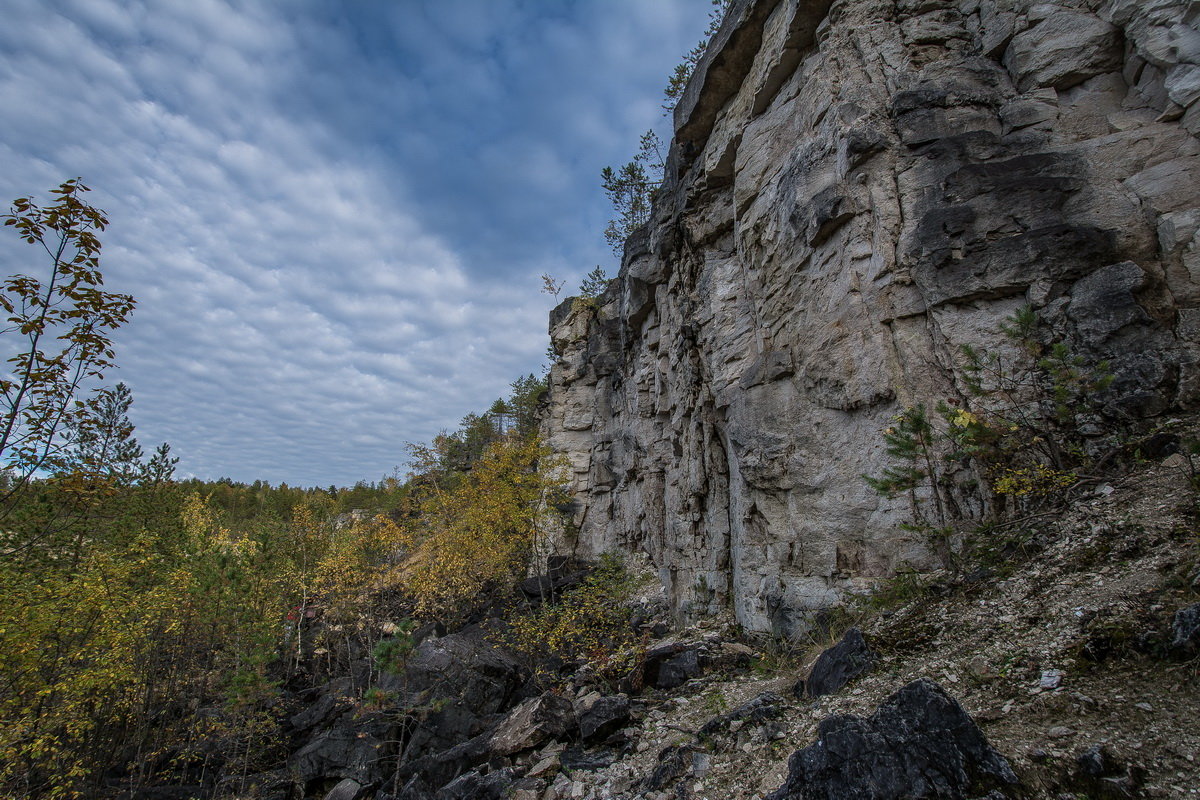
x,y
668,667
1183,84
1063,50
1185,630
346,789
760,709
475,681
532,723
334,699
603,717
474,786
674,762
351,750
1050,679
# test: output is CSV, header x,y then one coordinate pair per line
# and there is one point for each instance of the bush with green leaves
x,y
392,653
590,623
1025,434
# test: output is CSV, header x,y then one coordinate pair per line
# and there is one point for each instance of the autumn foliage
x,y
150,627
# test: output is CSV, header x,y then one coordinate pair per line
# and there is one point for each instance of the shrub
x,y
591,623
1018,441
392,654
477,534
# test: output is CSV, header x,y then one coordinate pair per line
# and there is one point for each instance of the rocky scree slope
x,y
1063,665
855,190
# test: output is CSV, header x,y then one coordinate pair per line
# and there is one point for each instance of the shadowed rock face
x,y
918,744
840,664
856,190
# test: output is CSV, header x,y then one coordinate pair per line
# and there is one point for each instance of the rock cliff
x,y
856,189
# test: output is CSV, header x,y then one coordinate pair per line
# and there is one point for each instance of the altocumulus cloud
x,y
333,215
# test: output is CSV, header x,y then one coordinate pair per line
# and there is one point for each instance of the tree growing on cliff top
x,y
683,70
631,190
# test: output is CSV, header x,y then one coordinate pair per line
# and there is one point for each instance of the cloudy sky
x,y
333,215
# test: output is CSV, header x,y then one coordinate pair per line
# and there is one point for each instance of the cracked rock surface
x,y
856,189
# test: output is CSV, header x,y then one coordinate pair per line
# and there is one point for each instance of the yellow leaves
x,y
961,418
590,622
479,532
143,631
1032,481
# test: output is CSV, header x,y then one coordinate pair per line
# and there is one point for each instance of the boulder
x,y
346,789
533,722
673,763
414,789
578,758
463,667
333,699
474,786
437,768
459,685
1101,774
561,574
352,749
837,666
919,743
670,665
603,717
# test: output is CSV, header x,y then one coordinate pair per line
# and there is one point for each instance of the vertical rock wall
x,y
856,189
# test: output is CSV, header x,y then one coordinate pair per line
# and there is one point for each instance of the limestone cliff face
x,y
856,189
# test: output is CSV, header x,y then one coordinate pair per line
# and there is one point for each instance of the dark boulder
x,y
414,789
457,686
669,665
333,700
437,768
673,764
351,749
918,744
463,667
430,630
473,786
604,717
578,758
1094,762
1102,775
533,722
561,575
837,666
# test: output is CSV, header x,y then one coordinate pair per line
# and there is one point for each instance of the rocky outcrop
x,y
919,743
855,190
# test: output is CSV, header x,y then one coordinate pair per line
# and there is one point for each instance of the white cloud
x,y
333,219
